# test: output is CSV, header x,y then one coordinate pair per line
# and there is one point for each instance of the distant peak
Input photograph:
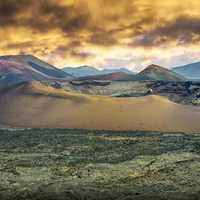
x,y
154,66
156,72
86,66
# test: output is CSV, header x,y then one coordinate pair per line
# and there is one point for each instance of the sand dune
x,y
36,105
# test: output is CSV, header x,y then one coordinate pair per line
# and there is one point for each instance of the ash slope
x,y
36,105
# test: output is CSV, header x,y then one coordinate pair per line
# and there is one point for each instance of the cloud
x,y
80,54
41,15
184,30
19,45
102,38
82,30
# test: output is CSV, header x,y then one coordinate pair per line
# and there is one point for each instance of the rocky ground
x,y
40,164
107,88
180,92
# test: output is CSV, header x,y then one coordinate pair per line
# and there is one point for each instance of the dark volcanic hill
x,y
116,76
111,77
20,68
152,72
190,71
158,73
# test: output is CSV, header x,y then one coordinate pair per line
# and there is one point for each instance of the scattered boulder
x,y
56,85
196,101
180,92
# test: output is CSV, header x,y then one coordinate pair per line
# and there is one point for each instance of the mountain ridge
x,y
20,68
85,70
159,73
150,73
190,71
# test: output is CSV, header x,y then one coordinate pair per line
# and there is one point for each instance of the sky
x,y
102,33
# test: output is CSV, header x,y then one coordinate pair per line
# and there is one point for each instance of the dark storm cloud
x,y
9,9
101,37
19,45
44,15
183,30
61,17
65,48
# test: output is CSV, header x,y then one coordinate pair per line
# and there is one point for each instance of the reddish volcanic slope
x,y
10,66
16,69
116,76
